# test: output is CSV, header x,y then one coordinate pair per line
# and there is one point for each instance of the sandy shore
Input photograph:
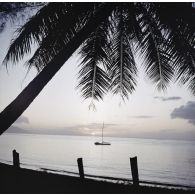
x,y
28,181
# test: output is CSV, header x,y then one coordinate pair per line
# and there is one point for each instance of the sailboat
x,y
102,142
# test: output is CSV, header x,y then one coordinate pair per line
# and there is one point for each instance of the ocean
x,y
164,161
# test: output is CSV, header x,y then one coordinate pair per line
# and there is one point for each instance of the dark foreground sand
x,y
14,180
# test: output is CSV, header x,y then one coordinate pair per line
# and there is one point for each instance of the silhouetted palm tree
x,y
107,36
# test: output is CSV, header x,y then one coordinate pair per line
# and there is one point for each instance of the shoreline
x,y
22,180
111,179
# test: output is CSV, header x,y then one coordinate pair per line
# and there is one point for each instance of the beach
x,y
20,180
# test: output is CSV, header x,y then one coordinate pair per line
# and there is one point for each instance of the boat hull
x,y
102,143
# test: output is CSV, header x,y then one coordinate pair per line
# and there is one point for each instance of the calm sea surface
x,y
168,161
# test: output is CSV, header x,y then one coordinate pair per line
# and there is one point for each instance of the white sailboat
x,y
102,142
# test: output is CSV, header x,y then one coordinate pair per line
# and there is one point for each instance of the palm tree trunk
x,y
12,112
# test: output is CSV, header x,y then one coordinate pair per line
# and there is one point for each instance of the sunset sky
x,y
59,109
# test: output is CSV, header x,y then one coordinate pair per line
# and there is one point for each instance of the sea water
x,y
165,161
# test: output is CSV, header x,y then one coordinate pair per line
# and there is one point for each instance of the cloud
x,y
186,112
22,119
172,98
142,116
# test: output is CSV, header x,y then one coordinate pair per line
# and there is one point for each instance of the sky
x,y
59,108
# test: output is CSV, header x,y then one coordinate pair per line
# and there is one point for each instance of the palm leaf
x,y
183,50
133,23
154,47
11,12
180,38
123,69
93,78
68,25
37,28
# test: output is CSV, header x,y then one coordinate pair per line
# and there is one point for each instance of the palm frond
x,y
93,77
179,12
133,23
94,81
191,84
123,69
154,47
37,28
183,50
11,12
180,38
68,25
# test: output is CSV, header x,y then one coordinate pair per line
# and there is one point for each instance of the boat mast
x,y
102,131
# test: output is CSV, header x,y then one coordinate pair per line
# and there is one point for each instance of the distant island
x,y
166,135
